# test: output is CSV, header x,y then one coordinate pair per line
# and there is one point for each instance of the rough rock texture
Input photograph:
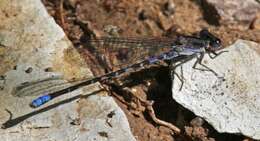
x,y
230,12
230,102
256,22
35,57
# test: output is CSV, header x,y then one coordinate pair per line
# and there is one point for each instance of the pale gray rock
x,y
239,12
36,57
230,102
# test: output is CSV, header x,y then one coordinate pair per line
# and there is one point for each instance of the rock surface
x,y
233,12
230,102
35,57
256,22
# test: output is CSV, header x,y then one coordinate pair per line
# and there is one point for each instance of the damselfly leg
x,y
173,73
181,60
215,54
199,58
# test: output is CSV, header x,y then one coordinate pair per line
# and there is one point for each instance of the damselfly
x,y
134,53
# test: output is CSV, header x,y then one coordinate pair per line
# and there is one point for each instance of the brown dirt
x,y
81,18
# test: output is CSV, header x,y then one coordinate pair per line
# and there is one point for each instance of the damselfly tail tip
x,y
40,101
33,105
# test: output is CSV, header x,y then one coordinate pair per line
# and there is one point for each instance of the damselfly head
x,y
214,42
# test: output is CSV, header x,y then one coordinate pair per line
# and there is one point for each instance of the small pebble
x,y
256,23
169,8
197,122
112,30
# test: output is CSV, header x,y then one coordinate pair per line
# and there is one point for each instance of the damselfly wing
x,y
113,53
